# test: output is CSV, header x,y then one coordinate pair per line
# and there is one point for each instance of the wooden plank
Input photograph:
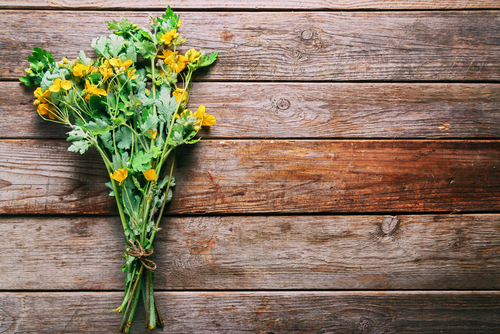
x,y
319,110
252,176
260,312
239,4
255,252
328,46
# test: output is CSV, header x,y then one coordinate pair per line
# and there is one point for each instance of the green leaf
x,y
146,49
166,109
124,138
110,186
83,59
100,46
98,127
115,45
151,123
142,161
132,53
79,146
76,134
207,60
107,141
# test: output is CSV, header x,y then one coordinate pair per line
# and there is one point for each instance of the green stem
x,y
164,202
130,302
109,167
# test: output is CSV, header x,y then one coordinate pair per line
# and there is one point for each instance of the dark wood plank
x,y
260,312
255,252
252,176
239,4
331,46
319,110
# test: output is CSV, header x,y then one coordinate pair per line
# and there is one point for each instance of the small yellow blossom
x,y
41,97
58,84
92,89
131,74
106,71
204,119
193,56
180,61
178,93
167,54
153,133
81,70
169,36
150,174
121,65
179,23
119,175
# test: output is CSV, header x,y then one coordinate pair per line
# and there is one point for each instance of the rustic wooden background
x,y
351,184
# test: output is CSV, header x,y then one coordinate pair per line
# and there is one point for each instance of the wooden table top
x,y
350,185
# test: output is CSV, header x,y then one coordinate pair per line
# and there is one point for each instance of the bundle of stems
x,y
131,104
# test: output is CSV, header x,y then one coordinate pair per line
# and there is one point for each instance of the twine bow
x,y
141,254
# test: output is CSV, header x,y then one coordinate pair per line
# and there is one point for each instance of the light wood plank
x,y
319,110
252,176
255,252
260,312
402,46
240,4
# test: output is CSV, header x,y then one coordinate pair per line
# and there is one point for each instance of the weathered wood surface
x,y
251,176
246,5
309,110
328,46
255,252
260,312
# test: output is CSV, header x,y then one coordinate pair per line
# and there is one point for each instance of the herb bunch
x,y
131,104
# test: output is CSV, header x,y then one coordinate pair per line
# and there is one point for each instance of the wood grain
x,y
311,46
255,252
240,4
260,312
252,176
309,110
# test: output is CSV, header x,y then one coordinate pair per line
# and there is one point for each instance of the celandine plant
x,y
108,105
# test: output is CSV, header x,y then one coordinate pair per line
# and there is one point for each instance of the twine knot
x,y
141,254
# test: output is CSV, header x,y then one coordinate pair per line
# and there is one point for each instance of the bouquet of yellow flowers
x,y
131,104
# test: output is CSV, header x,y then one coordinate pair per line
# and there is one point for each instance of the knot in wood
x,y
283,104
390,224
306,34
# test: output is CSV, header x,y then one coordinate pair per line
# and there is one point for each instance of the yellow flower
x,y
45,109
178,93
167,54
41,97
131,74
153,133
204,120
119,175
167,37
106,71
58,84
121,65
179,23
150,174
193,56
180,61
92,89
80,70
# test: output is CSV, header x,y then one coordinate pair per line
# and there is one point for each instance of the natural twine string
x,y
141,254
